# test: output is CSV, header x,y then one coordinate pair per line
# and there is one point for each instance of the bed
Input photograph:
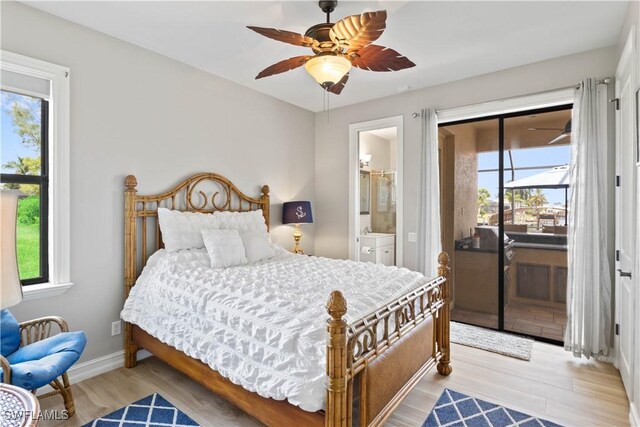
x,y
375,351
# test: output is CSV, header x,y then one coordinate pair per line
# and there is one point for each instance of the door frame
x,y
562,101
626,66
506,106
354,183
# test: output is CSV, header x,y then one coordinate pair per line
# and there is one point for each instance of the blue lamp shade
x,y
297,213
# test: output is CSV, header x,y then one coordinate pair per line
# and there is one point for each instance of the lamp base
x,y
297,235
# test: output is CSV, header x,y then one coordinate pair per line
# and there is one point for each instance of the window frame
x,y
58,173
42,179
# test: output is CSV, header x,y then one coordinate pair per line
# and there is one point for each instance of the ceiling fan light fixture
x,y
337,47
328,70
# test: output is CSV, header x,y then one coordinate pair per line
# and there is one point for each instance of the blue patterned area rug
x,y
152,411
459,410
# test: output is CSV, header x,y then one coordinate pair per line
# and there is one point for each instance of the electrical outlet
x,y
116,328
412,237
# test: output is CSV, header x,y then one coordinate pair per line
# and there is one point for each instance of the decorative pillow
x,y
256,246
183,230
242,221
9,333
224,247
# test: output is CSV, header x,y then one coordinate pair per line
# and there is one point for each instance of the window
x,y
24,145
34,159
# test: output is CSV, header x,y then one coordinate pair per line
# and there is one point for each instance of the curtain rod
x,y
604,81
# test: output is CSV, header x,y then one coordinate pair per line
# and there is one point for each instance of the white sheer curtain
x,y
588,329
429,245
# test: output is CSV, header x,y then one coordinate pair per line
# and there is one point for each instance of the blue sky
x,y
551,155
11,146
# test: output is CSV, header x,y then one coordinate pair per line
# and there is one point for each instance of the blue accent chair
x,y
32,357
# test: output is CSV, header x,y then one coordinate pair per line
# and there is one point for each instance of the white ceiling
x,y
447,40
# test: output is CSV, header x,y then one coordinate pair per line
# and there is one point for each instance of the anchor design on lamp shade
x,y
298,212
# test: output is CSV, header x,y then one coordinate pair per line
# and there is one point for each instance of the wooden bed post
x,y
264,200
444,341
130,256
337,402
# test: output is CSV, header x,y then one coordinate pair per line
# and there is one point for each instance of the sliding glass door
x,y
469,210
504,201
536,193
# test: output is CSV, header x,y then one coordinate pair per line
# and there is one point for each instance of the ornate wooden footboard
x,y
386,352
372,363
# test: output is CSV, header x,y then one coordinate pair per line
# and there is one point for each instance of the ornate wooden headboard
x,y
204,192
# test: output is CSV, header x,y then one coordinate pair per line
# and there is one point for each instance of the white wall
x,y
632,18
379,149
332,135
137,112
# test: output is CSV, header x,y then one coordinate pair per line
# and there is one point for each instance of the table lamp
x,y
297,213
10,286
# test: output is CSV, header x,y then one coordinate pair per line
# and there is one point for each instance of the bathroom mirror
x,y
365,191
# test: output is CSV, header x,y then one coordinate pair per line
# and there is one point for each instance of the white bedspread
x,y
261,326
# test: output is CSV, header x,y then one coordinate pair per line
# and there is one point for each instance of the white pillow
x,y
256,246
183,230
242,221
224,247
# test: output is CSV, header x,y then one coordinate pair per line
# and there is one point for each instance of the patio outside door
x,y
504,196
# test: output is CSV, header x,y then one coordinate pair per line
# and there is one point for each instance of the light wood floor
x,y
553,385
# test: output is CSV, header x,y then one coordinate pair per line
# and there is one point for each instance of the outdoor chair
x,y
517,228
546,219
560,229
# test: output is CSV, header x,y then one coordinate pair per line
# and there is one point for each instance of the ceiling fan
x,y
564,132
337,47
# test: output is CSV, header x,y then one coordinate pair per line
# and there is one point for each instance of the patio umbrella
x,y
558,177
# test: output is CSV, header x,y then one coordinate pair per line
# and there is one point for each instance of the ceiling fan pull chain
x,y
324,101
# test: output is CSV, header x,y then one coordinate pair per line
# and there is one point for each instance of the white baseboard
x,y
91,368
634,417
143,354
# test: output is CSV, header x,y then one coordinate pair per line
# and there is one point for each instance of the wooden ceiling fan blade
x,y
337,87
283,66
356,31
379,58
558,138
285,36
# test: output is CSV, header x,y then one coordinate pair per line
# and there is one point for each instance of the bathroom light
x,y
328,69
365,160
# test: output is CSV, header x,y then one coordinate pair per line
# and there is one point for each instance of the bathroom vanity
x,y
379,248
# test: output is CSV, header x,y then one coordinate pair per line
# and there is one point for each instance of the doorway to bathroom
x,y
507,186
375,191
